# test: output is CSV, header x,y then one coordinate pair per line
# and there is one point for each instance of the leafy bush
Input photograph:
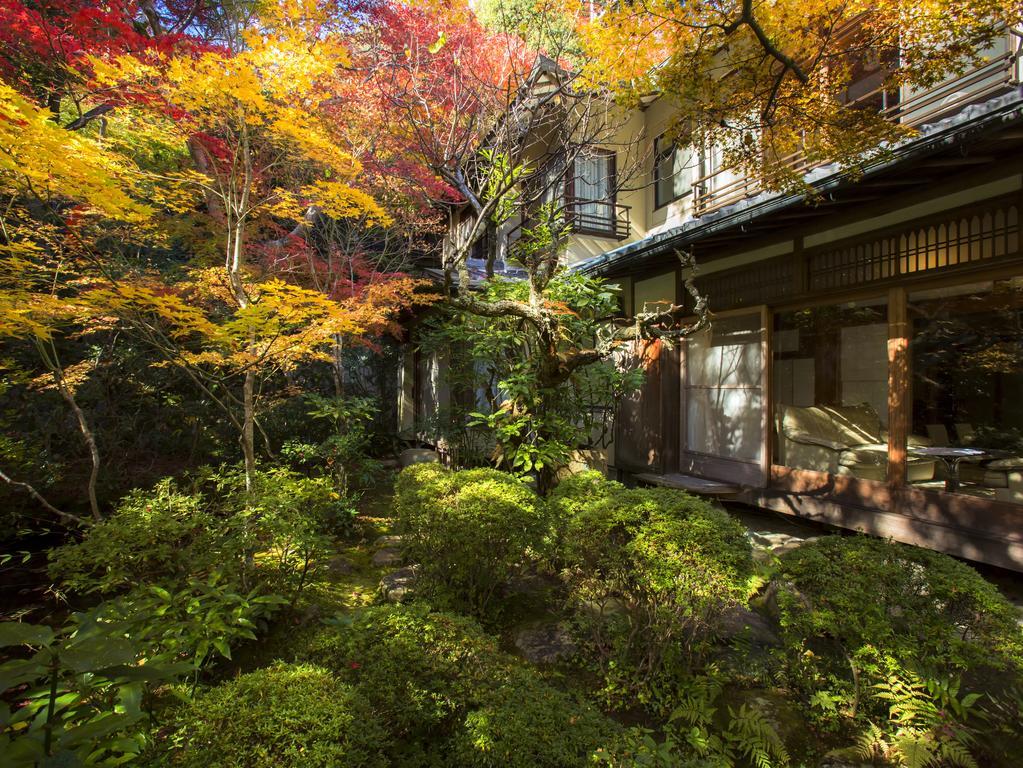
x,y
467,530
344,454
193,625
79,697
848,596
928,724
650,571
446,693
158,536
284,715
167,536
523,722
417,668
874,632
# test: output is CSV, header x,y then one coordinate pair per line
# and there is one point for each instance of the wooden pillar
x,y
767,392
898,386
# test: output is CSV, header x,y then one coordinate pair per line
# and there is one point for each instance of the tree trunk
x,y
338,367
248,429
53,363
90,440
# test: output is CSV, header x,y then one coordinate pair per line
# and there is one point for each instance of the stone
x,y
387,541
778,543
545,643
386,556
389,463
412,456
740,621
339,565
766,602
398,586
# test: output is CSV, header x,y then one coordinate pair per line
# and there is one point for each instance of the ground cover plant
x,y
649,583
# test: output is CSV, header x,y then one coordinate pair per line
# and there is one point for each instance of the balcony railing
x,y
601,218
725,186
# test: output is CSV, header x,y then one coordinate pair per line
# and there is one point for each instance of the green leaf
x,y
96,652
221,645
17,633
19,671
102,726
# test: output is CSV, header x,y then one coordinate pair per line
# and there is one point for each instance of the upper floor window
x,y
591,205
673,171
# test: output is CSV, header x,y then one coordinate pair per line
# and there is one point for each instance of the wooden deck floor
x,y
697,485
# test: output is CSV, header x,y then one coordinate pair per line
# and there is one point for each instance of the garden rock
x,y
398,586
387,556
417,456
387,541
339,565
777,544
545,643
740,621
767,601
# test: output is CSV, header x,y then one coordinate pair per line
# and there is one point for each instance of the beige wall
x,y
655,292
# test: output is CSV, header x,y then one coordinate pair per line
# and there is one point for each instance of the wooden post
x,y
767,392
899,395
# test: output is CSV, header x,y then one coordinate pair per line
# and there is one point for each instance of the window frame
x,y
659,157
611,201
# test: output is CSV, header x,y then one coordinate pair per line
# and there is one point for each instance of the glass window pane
x,y
673,172
831,389
966,352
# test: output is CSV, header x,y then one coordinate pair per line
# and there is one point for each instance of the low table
x,y
951,457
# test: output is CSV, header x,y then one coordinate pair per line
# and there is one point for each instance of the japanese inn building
x,y
864,364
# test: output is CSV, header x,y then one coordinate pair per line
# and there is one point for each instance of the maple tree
x,y
770,81
242,137
263,149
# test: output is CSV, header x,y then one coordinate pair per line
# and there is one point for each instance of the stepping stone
x,y
417,456
398,586
340,565
387,556
545,644
387,541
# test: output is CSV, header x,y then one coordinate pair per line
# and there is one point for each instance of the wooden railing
x,y
600,218
716,190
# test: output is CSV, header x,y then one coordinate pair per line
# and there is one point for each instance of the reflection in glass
x,y
967,383
831,391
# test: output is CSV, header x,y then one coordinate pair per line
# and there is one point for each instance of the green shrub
x,y
843,596
166,536
279,493
650,572
858,612
158,536
419,669
284,715
467,530
523,722
574,491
